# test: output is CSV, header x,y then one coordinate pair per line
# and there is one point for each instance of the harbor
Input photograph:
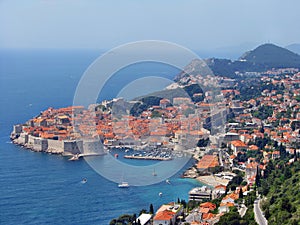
x,y
160,154
147,157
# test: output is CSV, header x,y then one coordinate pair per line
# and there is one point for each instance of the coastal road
x,y
259,217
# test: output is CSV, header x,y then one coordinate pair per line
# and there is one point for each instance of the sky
x,y
104,24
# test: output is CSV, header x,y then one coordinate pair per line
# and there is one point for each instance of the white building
x,y
200,193
144,219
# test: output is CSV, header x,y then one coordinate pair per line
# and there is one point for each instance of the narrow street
x,y
259,217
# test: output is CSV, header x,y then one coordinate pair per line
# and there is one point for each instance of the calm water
x,y
38,188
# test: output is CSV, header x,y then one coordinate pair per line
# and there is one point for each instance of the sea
x,y
39,188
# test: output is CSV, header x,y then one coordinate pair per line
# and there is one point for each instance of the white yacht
x,y
123,185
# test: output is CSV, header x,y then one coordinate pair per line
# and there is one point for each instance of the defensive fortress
x,y
64,147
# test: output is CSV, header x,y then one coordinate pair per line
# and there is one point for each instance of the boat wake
x,y
84,180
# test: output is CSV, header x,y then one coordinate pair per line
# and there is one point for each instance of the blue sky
x,y
196,24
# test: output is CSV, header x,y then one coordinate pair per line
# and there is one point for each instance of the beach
x,y
212,180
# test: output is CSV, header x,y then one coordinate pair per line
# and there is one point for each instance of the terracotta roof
x,y
238,143
253,148
164,215
208,161
204,210
209,205
232,196
207,216
228,204
232,156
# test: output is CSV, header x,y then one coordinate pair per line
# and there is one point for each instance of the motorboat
x,y
84,180
123,185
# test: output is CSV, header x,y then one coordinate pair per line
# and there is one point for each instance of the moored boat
x,y
123,185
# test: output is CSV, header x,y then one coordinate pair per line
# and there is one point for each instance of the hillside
x,y
280,188
271,56
294,48
195,67
262,58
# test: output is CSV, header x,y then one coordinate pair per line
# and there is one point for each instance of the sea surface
x,y
39,188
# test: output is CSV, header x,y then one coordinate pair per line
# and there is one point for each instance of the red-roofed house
x,y
208,205
224,207
163,217
207,162
167,213
253,148
237,145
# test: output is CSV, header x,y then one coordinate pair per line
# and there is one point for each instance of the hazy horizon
x,y
199,25
230,52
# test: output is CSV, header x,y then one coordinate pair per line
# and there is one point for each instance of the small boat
x,y
116,155
160,194
74,157
123,185
168,181
84,180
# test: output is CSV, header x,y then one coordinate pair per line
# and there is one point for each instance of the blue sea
x,y
39,188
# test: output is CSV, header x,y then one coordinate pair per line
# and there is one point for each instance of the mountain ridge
x,y
264,57
294,48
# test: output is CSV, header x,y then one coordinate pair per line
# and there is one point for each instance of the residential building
x,y
167,214
200,193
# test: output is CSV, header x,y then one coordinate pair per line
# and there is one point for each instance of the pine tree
x,y
134,218
262,129
282,151
151,209
257,178
241,193
183,202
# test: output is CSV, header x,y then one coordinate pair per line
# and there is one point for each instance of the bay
x,y
38,188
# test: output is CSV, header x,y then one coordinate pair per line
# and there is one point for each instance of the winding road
x,y
259,217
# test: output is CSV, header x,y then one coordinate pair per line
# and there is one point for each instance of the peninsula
x,y
242,131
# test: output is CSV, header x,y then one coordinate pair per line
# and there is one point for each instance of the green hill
x,y
280,188
294,48
272,56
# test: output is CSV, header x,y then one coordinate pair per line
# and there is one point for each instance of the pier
x,y
77,156
147,157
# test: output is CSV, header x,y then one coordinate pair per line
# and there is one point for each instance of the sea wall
x,y
22,139
92,147
17,129
39,144
73,146
55,146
